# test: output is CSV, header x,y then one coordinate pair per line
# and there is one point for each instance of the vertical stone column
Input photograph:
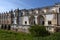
x,y
7,27
46,21
0,26
36,20
3,26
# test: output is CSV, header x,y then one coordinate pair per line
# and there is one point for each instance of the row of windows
x,y
49,22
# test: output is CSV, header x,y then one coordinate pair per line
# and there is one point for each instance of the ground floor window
x,y
25,22
49,22
34,22
42,22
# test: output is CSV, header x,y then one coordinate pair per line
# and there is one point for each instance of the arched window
x,y
40,20
32,20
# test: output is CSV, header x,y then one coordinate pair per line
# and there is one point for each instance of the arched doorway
x,y
40,20
2,26
9,27
32,20
5,26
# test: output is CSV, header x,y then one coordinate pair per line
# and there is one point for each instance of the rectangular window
x,y
34,22
25,22
49,22
59,9
42,22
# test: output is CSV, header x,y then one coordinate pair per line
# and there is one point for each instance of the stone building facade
x,y
48,16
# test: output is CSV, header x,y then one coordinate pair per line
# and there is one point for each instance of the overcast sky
x,y
6,5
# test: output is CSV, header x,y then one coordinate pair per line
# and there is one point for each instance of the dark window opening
x,y
42,22
1,26
34,22
12,21
9,27
5,27
25,22
59,9
49,22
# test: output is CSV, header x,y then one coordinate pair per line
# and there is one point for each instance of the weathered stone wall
x,y
20,28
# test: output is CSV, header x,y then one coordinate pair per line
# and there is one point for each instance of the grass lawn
x,y
10,35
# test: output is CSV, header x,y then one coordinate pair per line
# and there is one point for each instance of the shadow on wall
x,y
5,27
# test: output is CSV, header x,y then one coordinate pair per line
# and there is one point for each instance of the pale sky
x,y
6,5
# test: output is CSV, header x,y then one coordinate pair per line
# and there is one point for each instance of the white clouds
x,y
6,5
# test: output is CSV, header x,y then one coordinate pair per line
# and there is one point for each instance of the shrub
x,y
37,30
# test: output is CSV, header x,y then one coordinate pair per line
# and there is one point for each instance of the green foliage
x,y
37,30
11,35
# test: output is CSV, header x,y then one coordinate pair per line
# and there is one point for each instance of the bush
x,y
37,30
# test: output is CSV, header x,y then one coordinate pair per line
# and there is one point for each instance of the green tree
x,y
37,30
